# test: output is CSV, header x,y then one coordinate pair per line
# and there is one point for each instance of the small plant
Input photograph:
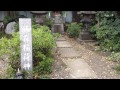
x,y
74,29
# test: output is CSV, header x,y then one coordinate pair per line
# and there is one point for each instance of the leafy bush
x,y
74,29
48,22
7,19
2,34
115,57
43,42
108,35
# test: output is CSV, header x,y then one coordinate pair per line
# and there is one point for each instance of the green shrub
x,y
2,34
74,29
115,57
117,68
48,22
43,42
43,67
16,27
108,34
7,19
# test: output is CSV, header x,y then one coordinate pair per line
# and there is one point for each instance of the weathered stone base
x,y
58,28
85,37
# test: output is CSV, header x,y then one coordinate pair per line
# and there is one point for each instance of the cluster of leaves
x,y
7,19
48,22
115,56
73,29
2,34
43,42
33,23
11,48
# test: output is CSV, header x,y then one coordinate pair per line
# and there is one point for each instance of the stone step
x,y
79,69
68,53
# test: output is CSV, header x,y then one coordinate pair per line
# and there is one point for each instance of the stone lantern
x,y
58,26
86,20
39,16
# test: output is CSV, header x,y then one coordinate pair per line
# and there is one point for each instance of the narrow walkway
x,y
77,67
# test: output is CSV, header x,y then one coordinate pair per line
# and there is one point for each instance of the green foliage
x,y
117,68
43,67
93,29
56,35
2,34
43,42
11,48
48,22
7,19
115,57
74,29
33,21
108,34
16,27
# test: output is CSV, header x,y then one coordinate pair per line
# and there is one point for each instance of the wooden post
x,y
98,22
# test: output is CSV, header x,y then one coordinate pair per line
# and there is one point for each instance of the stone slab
x,y
79,69
68,53
63,44
61,39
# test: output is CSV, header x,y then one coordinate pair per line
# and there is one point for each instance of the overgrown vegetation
x,y
48,22
43,42
8,19
108,34
73,29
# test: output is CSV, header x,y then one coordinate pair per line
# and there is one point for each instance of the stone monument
x,y
26,45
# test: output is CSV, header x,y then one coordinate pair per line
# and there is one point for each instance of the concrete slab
x,y
61,39
79,69
63,44
68,53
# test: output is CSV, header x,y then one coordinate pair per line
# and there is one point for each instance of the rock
x,y
10,28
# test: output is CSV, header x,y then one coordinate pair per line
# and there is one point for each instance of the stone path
x,y
77,67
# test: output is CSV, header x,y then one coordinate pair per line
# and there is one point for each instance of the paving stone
x,y
63,44
79,69
68,53
61,39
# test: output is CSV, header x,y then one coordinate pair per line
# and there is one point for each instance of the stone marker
x,y
26,44
10,28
